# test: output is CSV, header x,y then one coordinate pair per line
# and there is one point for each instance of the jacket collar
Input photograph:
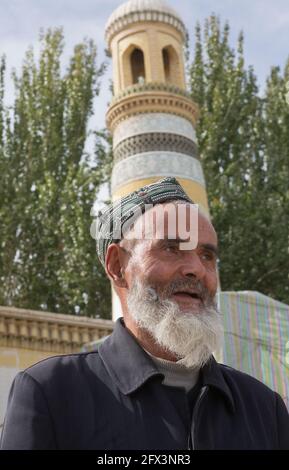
x,y
130,366
126,361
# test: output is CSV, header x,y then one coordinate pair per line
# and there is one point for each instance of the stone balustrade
x,y
49,332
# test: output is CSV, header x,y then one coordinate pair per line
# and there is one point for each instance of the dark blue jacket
x,y
115,399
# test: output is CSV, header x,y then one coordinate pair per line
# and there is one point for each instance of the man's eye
x,y
172,248
208,257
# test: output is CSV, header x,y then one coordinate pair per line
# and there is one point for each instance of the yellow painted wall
x,y
165,39
12,361
151,38
21,358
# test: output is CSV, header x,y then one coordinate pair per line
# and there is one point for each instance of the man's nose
x,y
192,266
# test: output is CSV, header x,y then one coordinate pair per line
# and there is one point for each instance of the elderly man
x,y
154,383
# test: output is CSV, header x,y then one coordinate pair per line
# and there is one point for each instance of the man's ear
x,y
114,265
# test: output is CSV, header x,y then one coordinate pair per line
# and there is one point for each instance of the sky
x,y
265,24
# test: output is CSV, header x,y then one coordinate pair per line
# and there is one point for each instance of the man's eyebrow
x,y
206,246
172,239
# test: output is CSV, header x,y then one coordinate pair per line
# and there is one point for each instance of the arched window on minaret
x,y
171,65
137,65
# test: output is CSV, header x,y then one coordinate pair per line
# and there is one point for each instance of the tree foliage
x,y
244,147
48,183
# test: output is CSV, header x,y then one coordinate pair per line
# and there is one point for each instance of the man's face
x,y
186,276
171,290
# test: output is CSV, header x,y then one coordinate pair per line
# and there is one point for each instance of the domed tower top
x,y
146,40
135,11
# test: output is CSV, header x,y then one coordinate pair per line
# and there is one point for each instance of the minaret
x,y
151,116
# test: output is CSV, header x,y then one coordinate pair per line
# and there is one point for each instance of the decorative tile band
x,y
154,142
151,164
153,122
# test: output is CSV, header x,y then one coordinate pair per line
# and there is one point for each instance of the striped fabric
x,y
257,337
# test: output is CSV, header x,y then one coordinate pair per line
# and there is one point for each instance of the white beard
x,y
192,337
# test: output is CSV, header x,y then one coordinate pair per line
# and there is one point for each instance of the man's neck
x,y
175,373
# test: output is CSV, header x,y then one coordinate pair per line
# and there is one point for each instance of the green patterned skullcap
x,y
107,228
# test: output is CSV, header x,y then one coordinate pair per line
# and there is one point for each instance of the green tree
x,y
274,278
233,141
49,182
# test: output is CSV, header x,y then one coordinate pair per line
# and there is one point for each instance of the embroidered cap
x,y
107,228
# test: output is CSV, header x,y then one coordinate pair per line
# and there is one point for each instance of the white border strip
x,y
153,164
153,122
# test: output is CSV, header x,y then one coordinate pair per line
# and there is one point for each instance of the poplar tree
x,y
237,134
274,276
48,183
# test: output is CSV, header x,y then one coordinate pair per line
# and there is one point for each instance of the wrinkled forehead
x,y
172,220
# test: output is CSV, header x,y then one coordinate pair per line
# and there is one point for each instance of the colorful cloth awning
x,y
257,337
